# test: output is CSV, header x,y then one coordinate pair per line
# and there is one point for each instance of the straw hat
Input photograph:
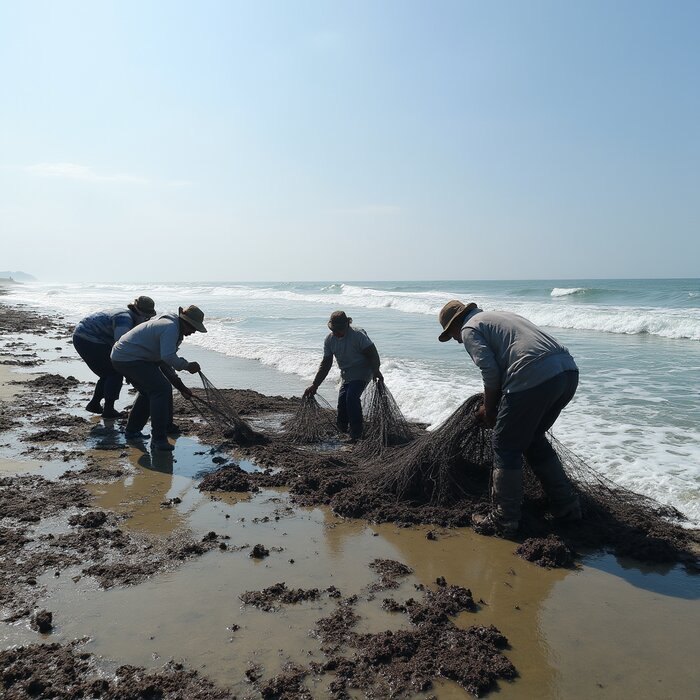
x,y
449,314
194,316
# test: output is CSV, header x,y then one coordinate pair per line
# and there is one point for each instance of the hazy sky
x,y
292,140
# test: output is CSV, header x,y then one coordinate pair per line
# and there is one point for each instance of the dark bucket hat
x,y
339,321
144,306
194,316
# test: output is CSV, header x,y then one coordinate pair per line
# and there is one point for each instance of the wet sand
x,y
607,629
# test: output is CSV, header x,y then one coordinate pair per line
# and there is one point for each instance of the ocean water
x,y
637,343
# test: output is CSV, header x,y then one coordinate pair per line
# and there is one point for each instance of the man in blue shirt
x,y
528,380
359,363
93,339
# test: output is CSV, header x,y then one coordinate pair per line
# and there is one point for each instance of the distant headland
x,y
8,277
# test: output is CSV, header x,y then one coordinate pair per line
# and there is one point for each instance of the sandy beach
x,y
154,582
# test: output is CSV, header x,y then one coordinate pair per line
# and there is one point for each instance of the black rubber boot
x,y
135,435
507,496
563,501
162,445
94,407
108,411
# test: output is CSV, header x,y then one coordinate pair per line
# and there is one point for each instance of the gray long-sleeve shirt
x,y
156,340
512,353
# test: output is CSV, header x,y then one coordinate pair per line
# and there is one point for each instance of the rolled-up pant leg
x,y
96,357
154,398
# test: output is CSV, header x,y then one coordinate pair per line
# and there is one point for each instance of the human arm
x,y
121,323
169,342
485,359
323,369
372,355
488,411
175,381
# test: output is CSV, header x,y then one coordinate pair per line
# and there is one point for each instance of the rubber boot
x,y
94,406
507,496
563,501
162,445
108,411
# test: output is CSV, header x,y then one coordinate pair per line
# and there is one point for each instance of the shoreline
x,y
637,428
138,497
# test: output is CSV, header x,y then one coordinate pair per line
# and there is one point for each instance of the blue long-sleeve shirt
x,y
156,340
106,327
512,353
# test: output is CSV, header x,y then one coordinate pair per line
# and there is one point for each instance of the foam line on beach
x,y
558,311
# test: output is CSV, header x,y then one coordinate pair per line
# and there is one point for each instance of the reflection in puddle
x,y
572,634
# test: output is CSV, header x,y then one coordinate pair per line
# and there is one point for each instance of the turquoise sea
x,y
637,344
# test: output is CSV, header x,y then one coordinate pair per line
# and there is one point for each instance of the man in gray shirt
x,y
359,363
147,357
528,379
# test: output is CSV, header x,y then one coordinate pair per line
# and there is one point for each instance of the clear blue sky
x,y
349,140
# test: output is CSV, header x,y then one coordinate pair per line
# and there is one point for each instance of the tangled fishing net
x,y
641,526
217,409
453,463
432,468
385,424
312,422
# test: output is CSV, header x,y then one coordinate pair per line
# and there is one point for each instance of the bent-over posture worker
x,y
147,357
528,379
359,363
93,339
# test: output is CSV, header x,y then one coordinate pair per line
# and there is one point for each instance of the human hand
x,y
310,391
193,367
186,392
485,418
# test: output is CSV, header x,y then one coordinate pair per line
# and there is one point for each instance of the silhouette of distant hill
x,y
17,276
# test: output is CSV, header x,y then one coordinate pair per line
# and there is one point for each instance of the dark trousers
x,y
350,407
154,400
523,419
96,357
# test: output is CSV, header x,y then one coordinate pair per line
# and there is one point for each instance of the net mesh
x,y
431,468
312,422
614,508
385,425
454,462
219,410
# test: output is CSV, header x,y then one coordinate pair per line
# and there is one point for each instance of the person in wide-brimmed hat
x,y
528,379
147,357
359,363
93,339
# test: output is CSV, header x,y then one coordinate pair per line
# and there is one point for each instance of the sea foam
x,y
565,292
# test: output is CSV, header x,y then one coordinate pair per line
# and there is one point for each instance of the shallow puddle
x,y
572,634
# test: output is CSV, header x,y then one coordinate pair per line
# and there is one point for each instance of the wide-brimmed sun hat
x,y
339,321
194,316
449,314
144,306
